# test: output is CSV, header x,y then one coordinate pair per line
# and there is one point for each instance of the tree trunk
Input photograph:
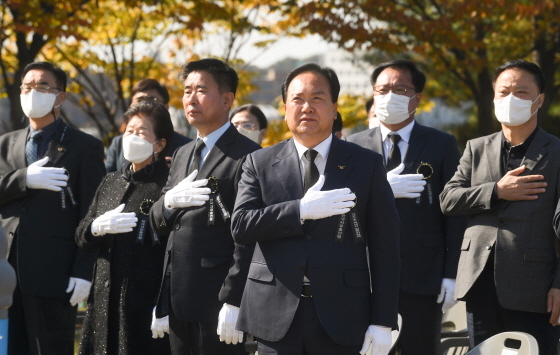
x,y
485,104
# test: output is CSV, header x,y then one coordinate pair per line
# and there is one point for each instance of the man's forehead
x,y
200,78
394,74
39,76
309,82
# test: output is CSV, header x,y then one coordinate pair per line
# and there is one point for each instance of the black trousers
x,y
421,324
41,325
196,338
306,335
486,317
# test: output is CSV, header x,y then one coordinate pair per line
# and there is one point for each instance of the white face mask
x,y
392,108
513,111
252,135
136,149
37,104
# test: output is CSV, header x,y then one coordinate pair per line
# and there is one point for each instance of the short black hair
x,y
150,84
59,74
418,78
327,72
253,110
532,68
369,103
337,124
224,75
159,115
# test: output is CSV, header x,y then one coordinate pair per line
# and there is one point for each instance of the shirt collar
x,y
211,139
47,131
322,148
525,144
403,132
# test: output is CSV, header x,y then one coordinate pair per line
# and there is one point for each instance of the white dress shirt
x,y
403,143
322,149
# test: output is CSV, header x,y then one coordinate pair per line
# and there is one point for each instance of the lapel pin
x,y
341,167
60,149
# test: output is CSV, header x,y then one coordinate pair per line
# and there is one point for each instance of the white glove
x,y
447,294
405,186
81,290
114,222
317,204
45,178
379,339
159,325
188,193
226,325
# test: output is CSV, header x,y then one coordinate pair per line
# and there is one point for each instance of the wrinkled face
x,y
148,95
203,102
521,84
309,107
141,127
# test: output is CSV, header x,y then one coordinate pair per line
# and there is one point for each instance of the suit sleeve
x,y
159,220
253,220
12,186
234,284
454,225
383,231
92,171
459,197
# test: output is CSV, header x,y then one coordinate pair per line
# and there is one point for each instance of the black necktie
x,y
195,164
311,172
395,152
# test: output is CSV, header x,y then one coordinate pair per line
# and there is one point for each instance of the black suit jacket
x,y
207,267
115,156
349,293
430,241
47,254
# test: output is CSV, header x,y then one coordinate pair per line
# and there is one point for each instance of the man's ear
x,y
229,97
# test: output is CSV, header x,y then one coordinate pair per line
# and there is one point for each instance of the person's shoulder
x,y
359,136
553,140
245,144
356,150
9,135
80,136
480,141
179,139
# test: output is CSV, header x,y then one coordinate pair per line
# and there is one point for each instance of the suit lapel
x,y
217,153
535,152
18,142
415,145
338,167
58,144
375,143
287,162
493,153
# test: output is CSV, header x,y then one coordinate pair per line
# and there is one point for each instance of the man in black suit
x,y
317,213
419,164
48,175
144,90
207,269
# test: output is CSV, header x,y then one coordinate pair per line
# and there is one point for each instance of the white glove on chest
x,y
188,193
39,177
114,222
405,186
317,204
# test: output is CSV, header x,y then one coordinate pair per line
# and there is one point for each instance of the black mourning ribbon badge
x,y
66,193
427,170
216,199
352,216
144,209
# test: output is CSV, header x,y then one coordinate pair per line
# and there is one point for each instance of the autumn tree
x,y
458,43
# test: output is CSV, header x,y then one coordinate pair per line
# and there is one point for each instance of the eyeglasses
x,y
39,88
146,99
247,126
397,89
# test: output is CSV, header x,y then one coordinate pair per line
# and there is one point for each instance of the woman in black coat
x,y
128,270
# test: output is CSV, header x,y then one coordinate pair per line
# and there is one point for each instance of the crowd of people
x,y
313,245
